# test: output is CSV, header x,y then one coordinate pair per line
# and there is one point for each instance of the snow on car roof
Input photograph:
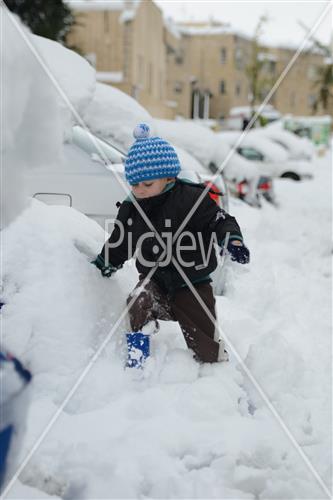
x,y
263,144
276,132
74,75
113,115
110,76
202,143
197,140
92,5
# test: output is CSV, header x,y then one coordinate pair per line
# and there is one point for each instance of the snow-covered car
x,y
297,148
272,158
91,179
88,178
241,115
112,115
204,145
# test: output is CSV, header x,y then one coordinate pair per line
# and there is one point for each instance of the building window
x,y
312,72
140,70
223,55
161,85
239,58
311,100
106,22
264,93
179,59
223,89
178,87
238,89
150,77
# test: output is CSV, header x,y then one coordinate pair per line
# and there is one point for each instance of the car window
x,y
284,145
250,153
96,148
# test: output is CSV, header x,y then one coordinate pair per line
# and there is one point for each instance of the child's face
x,y
146,189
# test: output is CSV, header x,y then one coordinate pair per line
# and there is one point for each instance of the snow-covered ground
x,y
183,430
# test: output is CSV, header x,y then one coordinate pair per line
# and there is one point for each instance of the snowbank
x,y
32,131
271,151
183,430
114,115
73,75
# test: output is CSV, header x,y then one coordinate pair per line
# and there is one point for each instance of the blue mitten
x,y
238,252
106,270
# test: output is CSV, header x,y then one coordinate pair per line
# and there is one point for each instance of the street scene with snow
x,y
166,253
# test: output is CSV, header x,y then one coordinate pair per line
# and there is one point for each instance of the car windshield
x,y
250,153
95,147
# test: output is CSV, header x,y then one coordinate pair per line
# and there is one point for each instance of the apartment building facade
x,y
297,91
186,69
124,40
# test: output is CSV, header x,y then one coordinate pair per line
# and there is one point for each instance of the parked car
x,y
240,116
204,145
112,115
272,158
296,147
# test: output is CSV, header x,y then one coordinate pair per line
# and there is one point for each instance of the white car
x,y
204,145
81,180
272,158
297,148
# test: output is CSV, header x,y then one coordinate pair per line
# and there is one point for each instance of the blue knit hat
x,y
150,158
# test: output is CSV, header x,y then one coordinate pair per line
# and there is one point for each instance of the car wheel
x,y
291,175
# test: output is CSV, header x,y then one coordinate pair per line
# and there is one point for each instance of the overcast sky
x,y
282,26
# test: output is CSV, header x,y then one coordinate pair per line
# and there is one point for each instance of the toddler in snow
x,y
171,225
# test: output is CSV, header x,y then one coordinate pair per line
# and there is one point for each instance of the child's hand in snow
x,y
106,270
238,251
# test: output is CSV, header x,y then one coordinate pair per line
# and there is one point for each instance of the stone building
x,y
297,92
124,40
214,59
186,69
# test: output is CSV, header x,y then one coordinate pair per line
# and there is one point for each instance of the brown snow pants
x,y
152,303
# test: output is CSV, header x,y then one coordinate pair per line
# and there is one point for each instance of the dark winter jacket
x,y
166,211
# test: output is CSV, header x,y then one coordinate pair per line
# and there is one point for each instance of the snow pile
x,y
283,329
72,75
32,131
271,151
184,430
114,115
296,147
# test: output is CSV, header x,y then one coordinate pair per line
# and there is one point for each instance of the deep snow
x,y
31,127
184,430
